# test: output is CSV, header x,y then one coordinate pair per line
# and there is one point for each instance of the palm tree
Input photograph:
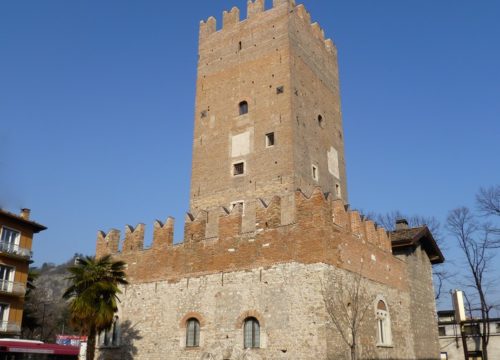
x,y
93,295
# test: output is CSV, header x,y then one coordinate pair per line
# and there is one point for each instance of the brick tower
x,y
268,118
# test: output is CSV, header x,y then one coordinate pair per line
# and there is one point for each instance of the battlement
x,y
311,210
322,231
255,9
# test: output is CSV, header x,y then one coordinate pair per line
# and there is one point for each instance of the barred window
x,y
238,169
192,333
251,333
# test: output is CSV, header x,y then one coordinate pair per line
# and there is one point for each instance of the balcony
x,y
8,327
15,250
12,287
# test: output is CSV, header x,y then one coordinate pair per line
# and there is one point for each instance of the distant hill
x,y
46,313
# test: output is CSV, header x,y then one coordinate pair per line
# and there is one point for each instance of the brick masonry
x,y
264,244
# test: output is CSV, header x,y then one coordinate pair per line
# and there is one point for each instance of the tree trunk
x,y
353,352
91,344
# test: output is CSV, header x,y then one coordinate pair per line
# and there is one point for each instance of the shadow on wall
x,y
127,350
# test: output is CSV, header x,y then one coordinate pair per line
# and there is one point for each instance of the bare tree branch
x,y
475,241
347,302
488,200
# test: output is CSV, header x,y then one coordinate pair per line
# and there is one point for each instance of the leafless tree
x,y
478,245
488,200
346,302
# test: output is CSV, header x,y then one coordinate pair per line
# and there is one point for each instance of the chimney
x,y
25,213
401,224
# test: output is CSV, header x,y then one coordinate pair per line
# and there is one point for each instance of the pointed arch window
x,y
192,333
251,334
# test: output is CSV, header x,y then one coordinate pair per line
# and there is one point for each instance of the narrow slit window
x,y
243,106
238,168
270,139
337,190
315,172
240,46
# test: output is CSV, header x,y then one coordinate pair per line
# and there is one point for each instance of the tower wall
x,y
281,65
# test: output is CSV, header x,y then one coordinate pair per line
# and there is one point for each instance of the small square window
x,y
238,169
270,139
442,331
280,90
315,172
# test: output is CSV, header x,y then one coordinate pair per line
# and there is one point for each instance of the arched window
x,y
192,333
384,337
251,333
321,121
243,106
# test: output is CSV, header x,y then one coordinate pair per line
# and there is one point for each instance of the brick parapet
x,y
320,233
231,19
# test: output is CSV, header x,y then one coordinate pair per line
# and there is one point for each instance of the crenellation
x,y
318,31
302,12
268,216
163,233
134,238
313,210
340,215
356,224
109,243
208,27
255,7
383,239
230,223
330,46
289,3
230,18
371,232
195,227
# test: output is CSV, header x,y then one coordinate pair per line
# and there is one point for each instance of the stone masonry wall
x,y
286,299
422,305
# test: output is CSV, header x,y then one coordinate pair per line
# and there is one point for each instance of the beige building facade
x,y
16,239
269,230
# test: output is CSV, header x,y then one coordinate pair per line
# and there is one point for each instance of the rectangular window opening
x,y
239,168
442,331
270,139
337,191
280,90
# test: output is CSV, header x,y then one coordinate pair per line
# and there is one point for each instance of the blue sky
x,y
97,107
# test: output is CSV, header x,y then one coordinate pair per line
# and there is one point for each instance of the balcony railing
x,y
14,249
12,287
9,327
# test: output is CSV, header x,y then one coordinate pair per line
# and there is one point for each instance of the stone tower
x,y
268,118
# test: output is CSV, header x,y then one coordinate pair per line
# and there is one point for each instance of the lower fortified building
x,y
271,251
